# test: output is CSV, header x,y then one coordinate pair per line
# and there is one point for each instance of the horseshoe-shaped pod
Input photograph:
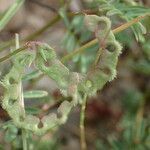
x,y
70,83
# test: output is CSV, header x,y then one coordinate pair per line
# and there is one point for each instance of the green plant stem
x,y
10,13
82,48
37,2
24,133
24,140
21,100
13,53
82,126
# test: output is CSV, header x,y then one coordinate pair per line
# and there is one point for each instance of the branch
x,y
44,5
13,53
10,13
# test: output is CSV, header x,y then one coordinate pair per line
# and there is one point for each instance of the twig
x,y
13,53
82,127
21,101
24,139
44,5
10,13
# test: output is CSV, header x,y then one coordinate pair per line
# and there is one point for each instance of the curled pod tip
x,y
96,23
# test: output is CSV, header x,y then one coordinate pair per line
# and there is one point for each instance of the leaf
x,y
6,125
146,49
69,41
113,12
35,94
142,66
32,111
11,133
77,23
126,11
138,30
32,75
63,14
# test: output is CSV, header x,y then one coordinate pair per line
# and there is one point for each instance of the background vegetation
x,y
117,117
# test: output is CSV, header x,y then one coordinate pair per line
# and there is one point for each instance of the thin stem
x,y
24,139
130,23
79,50
24,133
10,13
21,101
95,41
13,53
97,57
44,5
82,128
138,122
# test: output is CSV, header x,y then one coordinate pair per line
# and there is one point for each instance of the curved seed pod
x,y
71,84
94,23
105,69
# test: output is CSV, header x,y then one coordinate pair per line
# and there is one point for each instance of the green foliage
x,y
127,11
92,78
141,66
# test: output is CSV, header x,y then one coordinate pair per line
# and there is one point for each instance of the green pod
x,y
72,84
105,69
47,62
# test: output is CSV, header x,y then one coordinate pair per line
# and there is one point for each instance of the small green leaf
x,y
77,23
32,75
63,14
35,94
32,111
11,133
